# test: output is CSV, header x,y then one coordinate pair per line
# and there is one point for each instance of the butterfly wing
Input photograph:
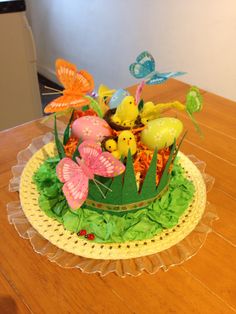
x,y
89,152
147,60
159,78
79,82
84,82
138,70
144,65
66,72
100,163
66,168
106,165
75,188
156,79
66,101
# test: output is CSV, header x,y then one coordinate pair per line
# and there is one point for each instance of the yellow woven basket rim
x,y
55,233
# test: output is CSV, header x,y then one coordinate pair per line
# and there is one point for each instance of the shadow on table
x,y
8,305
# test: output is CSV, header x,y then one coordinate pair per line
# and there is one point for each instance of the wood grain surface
x,y
29,283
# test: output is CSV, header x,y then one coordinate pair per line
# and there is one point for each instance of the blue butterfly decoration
x,y
144,68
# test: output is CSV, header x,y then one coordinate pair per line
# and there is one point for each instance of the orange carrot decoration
x,y
70,146
79,113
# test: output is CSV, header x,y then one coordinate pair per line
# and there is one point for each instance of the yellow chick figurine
x,y
126,112
126,142
151,111
111,146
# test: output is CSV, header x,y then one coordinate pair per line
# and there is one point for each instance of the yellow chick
x,y
151,111
126,142
111,146
126,112
147,112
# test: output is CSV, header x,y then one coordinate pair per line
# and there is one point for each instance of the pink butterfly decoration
x,y
76,176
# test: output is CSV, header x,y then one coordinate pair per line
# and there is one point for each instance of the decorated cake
x,y
114,177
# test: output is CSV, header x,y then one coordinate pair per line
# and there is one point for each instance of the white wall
x,y
105,36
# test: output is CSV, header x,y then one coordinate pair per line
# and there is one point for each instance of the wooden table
x,y
204,284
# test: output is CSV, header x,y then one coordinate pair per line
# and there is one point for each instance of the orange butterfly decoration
x,y
76,85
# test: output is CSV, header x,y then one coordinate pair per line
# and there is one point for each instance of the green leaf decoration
x,y
115,195
84,108
67,130
166,175
140,105
60,208
180,143
129,191
194,104
46,205
53,160
72,220
60,147
95,106
149,184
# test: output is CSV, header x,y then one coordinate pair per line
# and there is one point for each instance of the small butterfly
x,y
76,175
76,83
144,68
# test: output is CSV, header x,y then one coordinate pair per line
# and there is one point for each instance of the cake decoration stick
x,y
139,92
56,91
96,182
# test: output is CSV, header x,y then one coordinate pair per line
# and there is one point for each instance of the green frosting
x,y
107,227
